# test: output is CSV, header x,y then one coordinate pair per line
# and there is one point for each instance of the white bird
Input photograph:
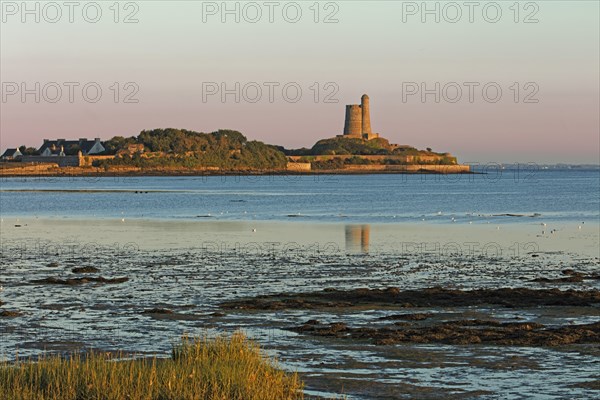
x,y
470,222
253,229
498,227
579,227
122,219
543,224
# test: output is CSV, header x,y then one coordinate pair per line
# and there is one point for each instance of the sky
x,y
491,82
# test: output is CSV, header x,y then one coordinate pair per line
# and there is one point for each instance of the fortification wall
x,y
375,158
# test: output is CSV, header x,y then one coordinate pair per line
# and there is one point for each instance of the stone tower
x,y
358,120
353,124
366,116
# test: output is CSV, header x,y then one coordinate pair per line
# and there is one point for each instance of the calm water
x,y
554,195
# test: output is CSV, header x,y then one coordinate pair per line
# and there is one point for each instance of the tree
x,y
28,151
72,150
226,149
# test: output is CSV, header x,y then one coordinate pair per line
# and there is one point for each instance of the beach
x,y
469,239
141,284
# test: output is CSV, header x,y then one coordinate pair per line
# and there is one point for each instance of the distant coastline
x,y
51,170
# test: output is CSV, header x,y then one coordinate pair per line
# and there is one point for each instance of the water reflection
x,y
357,238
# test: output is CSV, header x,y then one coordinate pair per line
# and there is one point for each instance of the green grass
x,y
200,368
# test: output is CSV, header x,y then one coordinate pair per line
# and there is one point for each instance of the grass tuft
x,y
199,368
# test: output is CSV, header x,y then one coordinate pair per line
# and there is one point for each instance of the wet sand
x,y
138,285
509,239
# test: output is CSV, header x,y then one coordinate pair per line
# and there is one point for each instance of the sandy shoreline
x,y
45,171
480,239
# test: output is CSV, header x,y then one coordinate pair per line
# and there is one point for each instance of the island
x,y
184,152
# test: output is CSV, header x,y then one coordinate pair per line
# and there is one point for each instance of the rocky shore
x,y
450,317
430,297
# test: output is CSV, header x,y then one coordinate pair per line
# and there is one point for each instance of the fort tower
x,y
353,124
358,120
366,117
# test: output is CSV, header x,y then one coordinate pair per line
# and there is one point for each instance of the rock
x,y
85,270
568,279
79,281
431,297
392,290
157,311
10,314
408,317
218,314
465,332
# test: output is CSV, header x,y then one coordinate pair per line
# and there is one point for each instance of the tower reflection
x,y
357,238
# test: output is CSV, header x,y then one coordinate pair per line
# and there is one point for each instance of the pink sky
x,y
171,55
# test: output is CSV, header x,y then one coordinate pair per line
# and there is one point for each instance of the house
x,y
11,154
60,147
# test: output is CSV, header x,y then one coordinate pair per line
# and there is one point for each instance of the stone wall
x,y
61,161
376,158
65,161
88,161
442,169
298,166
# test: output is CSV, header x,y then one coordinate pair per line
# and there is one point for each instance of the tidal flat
x,y
138,286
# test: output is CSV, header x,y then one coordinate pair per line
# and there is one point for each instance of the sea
x,y
498,195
